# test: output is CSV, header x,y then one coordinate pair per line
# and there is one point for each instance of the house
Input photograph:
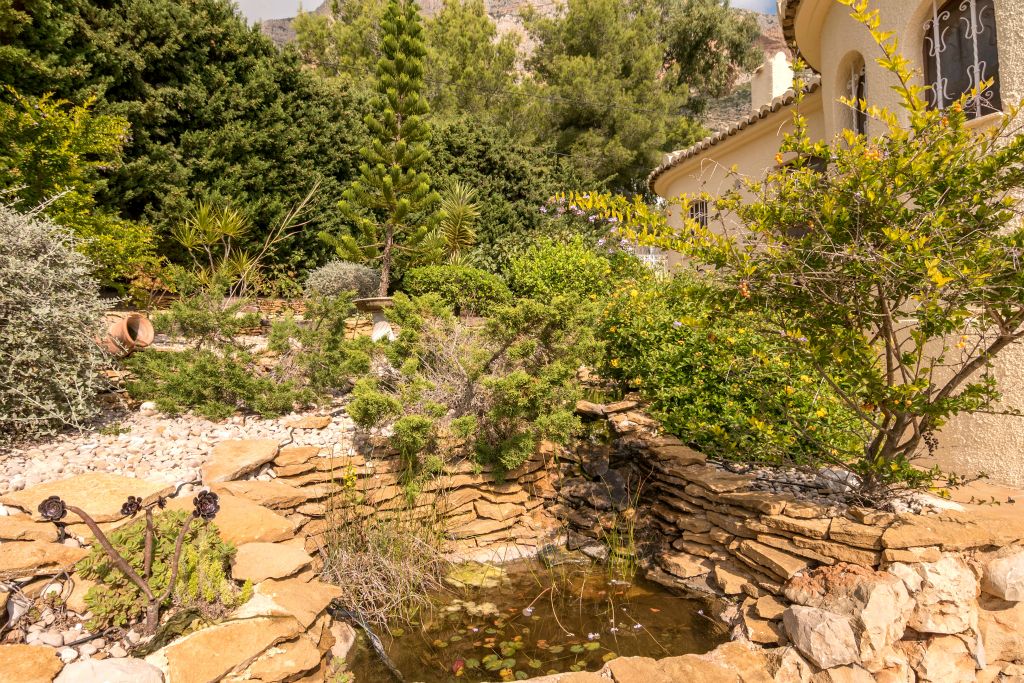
x,y
953,44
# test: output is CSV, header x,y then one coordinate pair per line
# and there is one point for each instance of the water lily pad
x,y
608,656
576,649
555,649
475,575
534,663
592,645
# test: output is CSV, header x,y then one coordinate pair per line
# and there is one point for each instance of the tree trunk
x,y
385,261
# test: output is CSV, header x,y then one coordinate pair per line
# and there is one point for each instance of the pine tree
x,y
390,203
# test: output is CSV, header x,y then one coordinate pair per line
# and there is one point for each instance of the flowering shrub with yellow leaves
x,y
715,377
895,261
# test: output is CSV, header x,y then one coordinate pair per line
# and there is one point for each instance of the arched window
x,y
960,52
856,93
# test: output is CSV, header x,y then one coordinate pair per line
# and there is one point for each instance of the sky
x,y
257,10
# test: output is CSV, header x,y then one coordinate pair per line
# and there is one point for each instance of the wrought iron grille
x,y
960,53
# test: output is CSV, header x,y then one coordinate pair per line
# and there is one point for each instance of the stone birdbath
x,y
376,305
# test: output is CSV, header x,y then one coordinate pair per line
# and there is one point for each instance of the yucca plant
x,y
455,234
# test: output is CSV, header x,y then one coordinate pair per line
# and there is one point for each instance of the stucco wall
x,y
828,36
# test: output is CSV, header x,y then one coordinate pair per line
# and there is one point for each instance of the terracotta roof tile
x,y
784,100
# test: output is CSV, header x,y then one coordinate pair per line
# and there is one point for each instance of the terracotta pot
x,y
127,333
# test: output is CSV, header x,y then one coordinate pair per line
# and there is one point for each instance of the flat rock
x,y
309,422
296,455
852,533
979,527
110,670
24,528
35,558
303,600
715,480
100,495
684,565
729,579
236,458
211,653
272,494
776,561
813,528
259,561
589,409
28,663
241,521
285,661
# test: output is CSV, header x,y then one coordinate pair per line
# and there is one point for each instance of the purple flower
x,y
613,219
207,505
592,219
600,242
53,509
543,209
676,323
131,506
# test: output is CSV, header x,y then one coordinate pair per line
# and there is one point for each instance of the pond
x,y
538,620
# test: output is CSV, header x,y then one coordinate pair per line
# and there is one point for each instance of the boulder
x,y
235,458
1001,627
99,495
1004,575
877,603
110,670
28,663
825,638
259,561
787,666
843,674
35,558
940,659
946,594
241,521
589,409
210,654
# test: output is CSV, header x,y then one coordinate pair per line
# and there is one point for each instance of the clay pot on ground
x,y
128,333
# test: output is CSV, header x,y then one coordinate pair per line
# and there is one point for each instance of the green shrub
x,y
317,353
488,392
50,316
201,315
467,290
204,574
342,277
211,383
718,381
572,268
370,407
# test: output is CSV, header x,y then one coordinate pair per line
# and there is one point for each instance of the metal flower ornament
x,y
206,505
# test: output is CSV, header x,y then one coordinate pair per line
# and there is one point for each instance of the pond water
x,y
537,621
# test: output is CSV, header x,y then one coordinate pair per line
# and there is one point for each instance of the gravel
x,y
148,445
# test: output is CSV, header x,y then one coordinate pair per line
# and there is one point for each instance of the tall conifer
x,y
390,203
